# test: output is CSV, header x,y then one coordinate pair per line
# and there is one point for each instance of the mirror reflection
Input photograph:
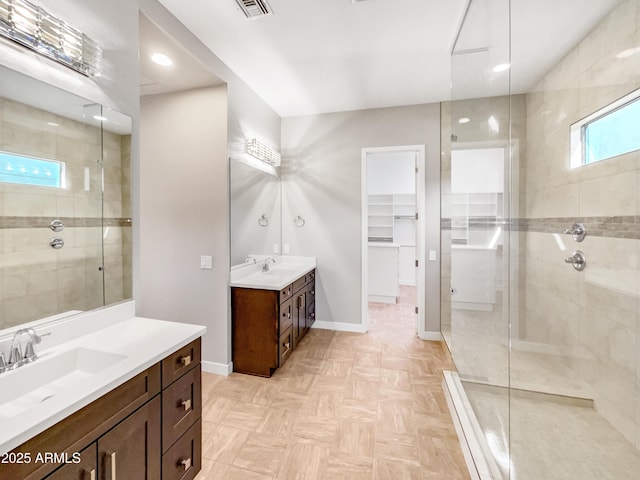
x,y
65,202
255,211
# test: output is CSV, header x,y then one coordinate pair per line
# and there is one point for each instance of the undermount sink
x,y
32,384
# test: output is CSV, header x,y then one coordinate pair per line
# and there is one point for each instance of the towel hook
x,y
298,221
263,221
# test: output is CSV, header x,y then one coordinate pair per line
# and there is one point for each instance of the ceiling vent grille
x,y
255,8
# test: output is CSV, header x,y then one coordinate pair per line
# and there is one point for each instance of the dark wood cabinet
x,y
85,469
268,324
148,428
131,449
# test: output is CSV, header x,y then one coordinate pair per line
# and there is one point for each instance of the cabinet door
x,y
131,450
85,469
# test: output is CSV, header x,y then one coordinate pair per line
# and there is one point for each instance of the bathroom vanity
x,y
271,312
120,402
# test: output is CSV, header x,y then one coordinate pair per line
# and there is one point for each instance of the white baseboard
x,y
339,327
432,336
217,368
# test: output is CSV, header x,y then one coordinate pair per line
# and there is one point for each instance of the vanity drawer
x,y
311,276
298,284
285,346
285,293
311,292
181,407
183,460
286,315
180,362
311,314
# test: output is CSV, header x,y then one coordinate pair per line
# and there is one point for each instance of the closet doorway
x,y
393,186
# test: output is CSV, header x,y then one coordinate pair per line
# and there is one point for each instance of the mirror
x,y
65,202
256,218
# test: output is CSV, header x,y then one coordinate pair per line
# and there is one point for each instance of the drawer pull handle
x,y
186,463
92,474
288,315
113,466
186,404
186,361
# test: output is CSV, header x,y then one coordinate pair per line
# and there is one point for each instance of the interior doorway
x,y
392,236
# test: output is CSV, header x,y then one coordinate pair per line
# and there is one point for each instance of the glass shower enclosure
x,y
542,321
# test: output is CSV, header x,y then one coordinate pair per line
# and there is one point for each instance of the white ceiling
x,y
316,56
185,73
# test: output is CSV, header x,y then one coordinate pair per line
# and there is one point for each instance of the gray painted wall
x,y
184,293
184,205
321,182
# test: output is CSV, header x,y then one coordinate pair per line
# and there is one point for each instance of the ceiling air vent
x,y
255,8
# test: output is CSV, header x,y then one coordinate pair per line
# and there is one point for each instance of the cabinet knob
x,y
186,464
286,345
185,361
312,314
186,404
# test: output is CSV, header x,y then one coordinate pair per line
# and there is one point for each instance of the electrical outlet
x,y
432,255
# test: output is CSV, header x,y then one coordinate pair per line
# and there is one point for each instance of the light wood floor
x,y
344,407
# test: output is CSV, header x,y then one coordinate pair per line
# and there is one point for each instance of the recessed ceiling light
x,y
501,68
464,120
628,52
161,59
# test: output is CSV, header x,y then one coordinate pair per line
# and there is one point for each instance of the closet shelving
x,y
466,206
386,216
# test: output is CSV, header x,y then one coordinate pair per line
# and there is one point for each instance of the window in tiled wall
x,y
31,171
611,131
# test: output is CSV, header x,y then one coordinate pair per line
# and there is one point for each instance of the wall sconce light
x,y
31,26
262,152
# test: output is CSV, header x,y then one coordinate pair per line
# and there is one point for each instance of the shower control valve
x,y
578,231
578,260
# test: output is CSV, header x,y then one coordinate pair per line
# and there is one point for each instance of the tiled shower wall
x,y
591,317
36,280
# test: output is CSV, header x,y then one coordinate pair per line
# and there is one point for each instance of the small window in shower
x,y
611,131
31,171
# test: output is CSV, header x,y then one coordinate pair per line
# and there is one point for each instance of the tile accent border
x,y
613,227
69,222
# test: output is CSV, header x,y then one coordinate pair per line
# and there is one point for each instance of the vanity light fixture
x,y
262,152
161,59
33,27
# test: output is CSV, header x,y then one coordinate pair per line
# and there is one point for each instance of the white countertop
x,y
283,272
131,345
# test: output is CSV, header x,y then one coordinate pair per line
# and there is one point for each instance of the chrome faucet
x,y
16,356
265,265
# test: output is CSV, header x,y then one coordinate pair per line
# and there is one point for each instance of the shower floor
x,y
552,437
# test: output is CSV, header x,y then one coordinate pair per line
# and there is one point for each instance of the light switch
x,y
286,249
206,262
432,255
276,248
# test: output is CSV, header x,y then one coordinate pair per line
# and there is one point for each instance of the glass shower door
x,y
476,170
574,363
